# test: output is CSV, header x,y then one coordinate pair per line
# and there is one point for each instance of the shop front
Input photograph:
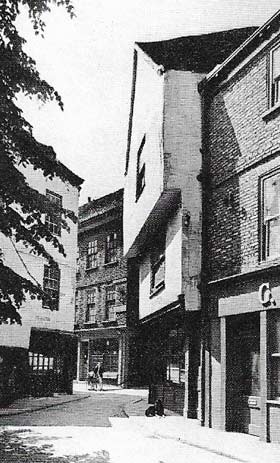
x,y
242,356
52,362
168,360
109,346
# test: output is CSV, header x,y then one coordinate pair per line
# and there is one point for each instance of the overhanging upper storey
x,y
164,133
165,206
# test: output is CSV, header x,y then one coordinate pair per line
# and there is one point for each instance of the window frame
x,y
111,247
92,254
110,303
47,302
274,82
264,233
157,261
53,220
91,310
140,170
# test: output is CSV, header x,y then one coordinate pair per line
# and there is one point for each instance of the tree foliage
x,y
24,223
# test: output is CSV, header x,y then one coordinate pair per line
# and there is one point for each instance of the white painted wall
x,y
33,315
173,271
147,119
182,144
182,136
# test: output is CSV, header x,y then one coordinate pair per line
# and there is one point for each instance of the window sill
x,y
160,287
46,307
274,401
269,262
109,322
110,264
90,324
271,112
89,269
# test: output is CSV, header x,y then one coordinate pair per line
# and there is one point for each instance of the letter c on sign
x,y
265,295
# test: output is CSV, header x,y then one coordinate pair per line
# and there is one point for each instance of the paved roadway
x,y
80,432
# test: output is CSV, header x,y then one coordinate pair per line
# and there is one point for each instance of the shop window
x,y
271,217
111,248
39,362
175,368
141,167
275,76
274,350
92,254
110,313
53,219
51,284
158,265
91,307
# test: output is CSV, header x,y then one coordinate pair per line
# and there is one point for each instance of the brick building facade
x,y
100,321
241,285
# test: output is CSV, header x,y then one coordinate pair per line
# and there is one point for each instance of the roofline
x,y
244,47
95,201
76,179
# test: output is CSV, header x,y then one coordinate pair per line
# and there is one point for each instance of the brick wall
x,y
103,276
241,145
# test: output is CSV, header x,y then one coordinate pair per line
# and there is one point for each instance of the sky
x,y
89,61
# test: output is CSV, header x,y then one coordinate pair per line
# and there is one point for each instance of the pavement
x,y
234,446
175,429
32,404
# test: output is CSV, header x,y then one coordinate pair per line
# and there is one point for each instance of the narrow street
x,y
93,430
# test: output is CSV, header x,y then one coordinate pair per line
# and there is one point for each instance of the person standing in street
x,y
98,371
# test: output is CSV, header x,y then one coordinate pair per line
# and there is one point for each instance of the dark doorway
x,y
243,374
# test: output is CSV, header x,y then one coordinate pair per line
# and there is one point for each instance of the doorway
x,y
243,374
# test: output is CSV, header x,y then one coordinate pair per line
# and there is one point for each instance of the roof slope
x,y
199,53
101,205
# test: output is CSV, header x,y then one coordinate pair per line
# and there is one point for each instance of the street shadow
x,y
15,448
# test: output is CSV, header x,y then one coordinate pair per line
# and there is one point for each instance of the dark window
x,y
158,265
175,364
110,303
271,217
274,350
111,248
275,76
92,254
91,306
53,219
140,176
51,284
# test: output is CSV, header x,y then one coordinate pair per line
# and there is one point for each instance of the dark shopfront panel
x,y
242,388
168,362
104,350
243,401
52,362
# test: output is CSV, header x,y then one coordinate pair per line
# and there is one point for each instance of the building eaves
x,y
258,37
197,53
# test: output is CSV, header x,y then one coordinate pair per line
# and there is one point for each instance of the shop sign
x,y
265,294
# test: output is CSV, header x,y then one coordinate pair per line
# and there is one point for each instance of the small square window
x,y
111,248
141,167
271,217
51,285
92,254
275,77
53,219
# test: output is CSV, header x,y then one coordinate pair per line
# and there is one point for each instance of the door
x,y
243,374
